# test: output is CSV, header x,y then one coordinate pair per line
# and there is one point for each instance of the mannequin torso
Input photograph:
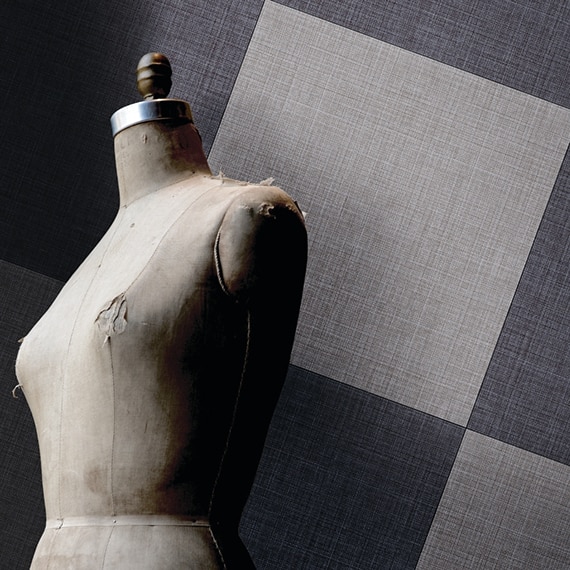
x,y
153,376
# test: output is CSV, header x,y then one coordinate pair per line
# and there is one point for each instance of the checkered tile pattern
x,y
425,419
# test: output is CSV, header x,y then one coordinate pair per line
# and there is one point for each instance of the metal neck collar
x,y
150,110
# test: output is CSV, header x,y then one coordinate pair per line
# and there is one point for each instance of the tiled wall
x,y
424,422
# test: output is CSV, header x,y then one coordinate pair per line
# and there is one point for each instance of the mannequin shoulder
x,y
261,243
265,203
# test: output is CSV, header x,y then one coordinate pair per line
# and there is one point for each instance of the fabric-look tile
x,y
502,508
348,480
525,397
523,45
424,187
24,296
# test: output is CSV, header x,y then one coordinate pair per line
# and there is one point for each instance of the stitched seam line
x,y
218,549
111,467
218,263
63,370
164,235
107,549
126,520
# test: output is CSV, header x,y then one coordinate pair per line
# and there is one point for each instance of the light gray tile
x,y
503,508
424,187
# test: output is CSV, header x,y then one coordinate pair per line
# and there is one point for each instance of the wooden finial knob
x,y
153,76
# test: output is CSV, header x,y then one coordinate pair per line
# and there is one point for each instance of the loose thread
x,y
14,395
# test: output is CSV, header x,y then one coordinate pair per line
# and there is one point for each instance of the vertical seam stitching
x,y
218,263
218,549
64,375
107,548
114,428
165,234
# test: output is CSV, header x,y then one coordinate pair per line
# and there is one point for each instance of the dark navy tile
x,y
525,397
348,479
24,296
523,44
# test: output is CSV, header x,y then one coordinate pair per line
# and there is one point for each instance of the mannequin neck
x,y
150,156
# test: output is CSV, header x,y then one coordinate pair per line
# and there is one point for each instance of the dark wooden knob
x,y
153,76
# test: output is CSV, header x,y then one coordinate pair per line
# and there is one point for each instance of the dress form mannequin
x,y
153,376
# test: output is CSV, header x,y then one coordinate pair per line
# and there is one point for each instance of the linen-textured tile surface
x,y
67,65
424,187
348,480
502,508
520,44
525,398
24,297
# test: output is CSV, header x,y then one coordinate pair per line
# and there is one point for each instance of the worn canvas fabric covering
x,y
153,375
